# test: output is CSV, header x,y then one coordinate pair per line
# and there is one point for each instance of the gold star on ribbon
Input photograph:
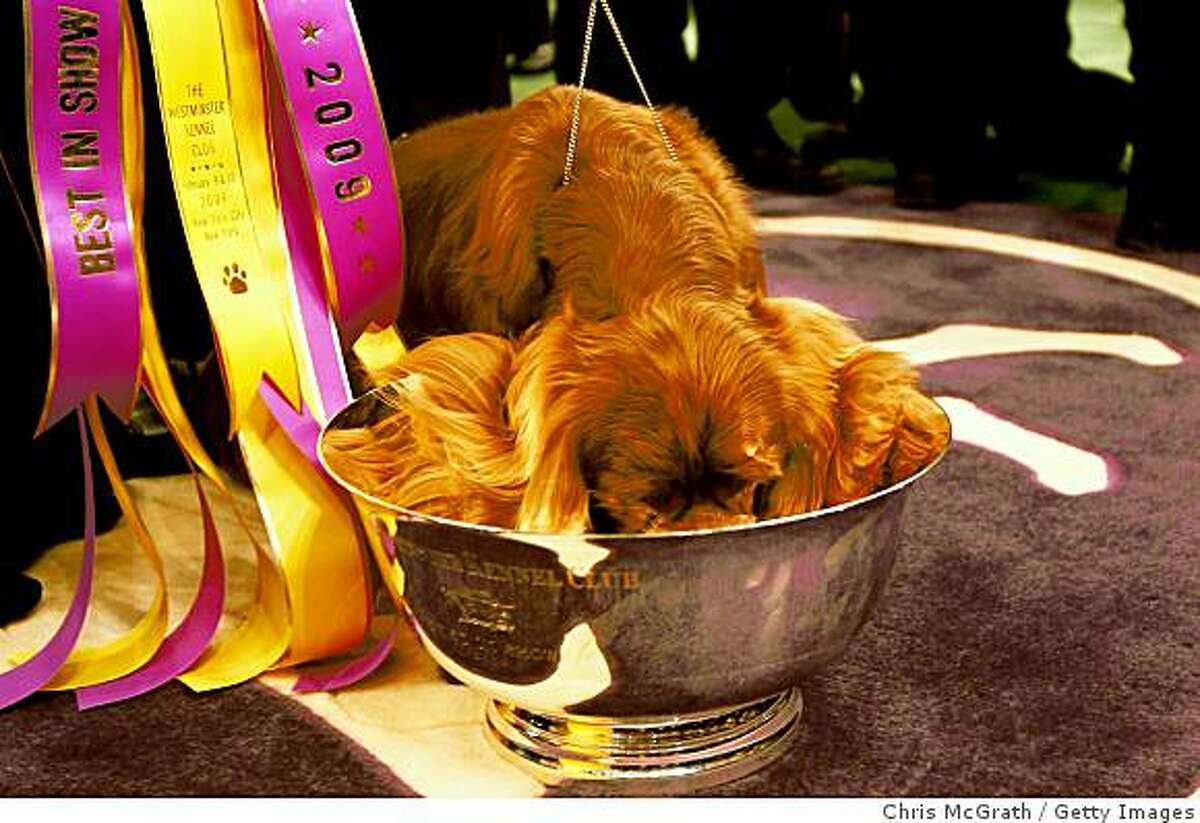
x,y
310,31
366,264
360,225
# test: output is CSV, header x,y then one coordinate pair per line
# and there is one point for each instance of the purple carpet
x,y
1029,642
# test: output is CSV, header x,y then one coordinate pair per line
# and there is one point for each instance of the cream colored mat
x,y
428,732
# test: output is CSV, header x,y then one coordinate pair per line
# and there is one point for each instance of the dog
x,y
602,356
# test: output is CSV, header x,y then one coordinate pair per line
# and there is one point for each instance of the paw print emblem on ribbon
x,y
235,279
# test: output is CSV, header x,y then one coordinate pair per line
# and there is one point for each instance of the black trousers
x,y
937,73
1165,177
749,55
743,55
526,25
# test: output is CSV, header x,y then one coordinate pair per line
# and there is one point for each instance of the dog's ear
x,y
923,434
544,403
807,339
448,450
854,417
556,497
887,429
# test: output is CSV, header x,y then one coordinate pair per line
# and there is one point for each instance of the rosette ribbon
x,y
76,57
334,178
85,144
282,174
228,127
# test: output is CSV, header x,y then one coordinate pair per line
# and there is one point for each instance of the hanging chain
x,y
573,135
662,130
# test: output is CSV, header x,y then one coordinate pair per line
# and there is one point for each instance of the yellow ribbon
x,y
312,586
204,55
156,374
379,350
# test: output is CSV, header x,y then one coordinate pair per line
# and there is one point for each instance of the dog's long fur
x,y
495,242
612,361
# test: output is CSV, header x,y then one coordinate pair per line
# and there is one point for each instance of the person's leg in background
x,y
819,72
819,79
920,77
528,41
1161,212
930,74
744,51
1050,114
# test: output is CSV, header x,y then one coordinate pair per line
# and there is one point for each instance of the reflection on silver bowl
x,y
665,661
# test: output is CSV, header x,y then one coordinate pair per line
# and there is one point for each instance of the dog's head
x,y
663,418
687,412
697,413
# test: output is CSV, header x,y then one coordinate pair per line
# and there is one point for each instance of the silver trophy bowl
x,y
659,662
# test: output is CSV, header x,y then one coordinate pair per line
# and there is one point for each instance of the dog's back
x,y
495,241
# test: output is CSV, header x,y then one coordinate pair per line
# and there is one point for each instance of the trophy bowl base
x,y
649,755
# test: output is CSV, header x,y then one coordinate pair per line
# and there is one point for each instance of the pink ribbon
x,y
75,152
17,684
303,243
75,123
389,545
346,158
301,427
352,672
331,153
184,646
